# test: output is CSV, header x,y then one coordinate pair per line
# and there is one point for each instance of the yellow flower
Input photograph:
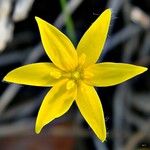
x,y
73,74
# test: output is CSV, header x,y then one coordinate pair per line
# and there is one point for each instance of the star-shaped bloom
x,y
73,74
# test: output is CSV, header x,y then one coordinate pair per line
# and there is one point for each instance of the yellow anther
x,y
70,84
55,74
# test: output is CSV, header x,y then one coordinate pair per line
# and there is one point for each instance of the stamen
x,y
70,84
55,74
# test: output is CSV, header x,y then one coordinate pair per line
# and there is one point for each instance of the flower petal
x,y
57,46
56,103
92,42
108,74
90,107
37,74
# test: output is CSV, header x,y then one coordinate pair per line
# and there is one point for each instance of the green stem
x,y
69,22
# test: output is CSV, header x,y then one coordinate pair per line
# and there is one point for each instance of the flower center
x,y
76,75
74,78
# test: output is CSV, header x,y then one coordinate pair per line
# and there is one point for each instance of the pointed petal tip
x,y
38,126
102,137
37,19
145,69
37,130
142,69
6,79
103,140
108,11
